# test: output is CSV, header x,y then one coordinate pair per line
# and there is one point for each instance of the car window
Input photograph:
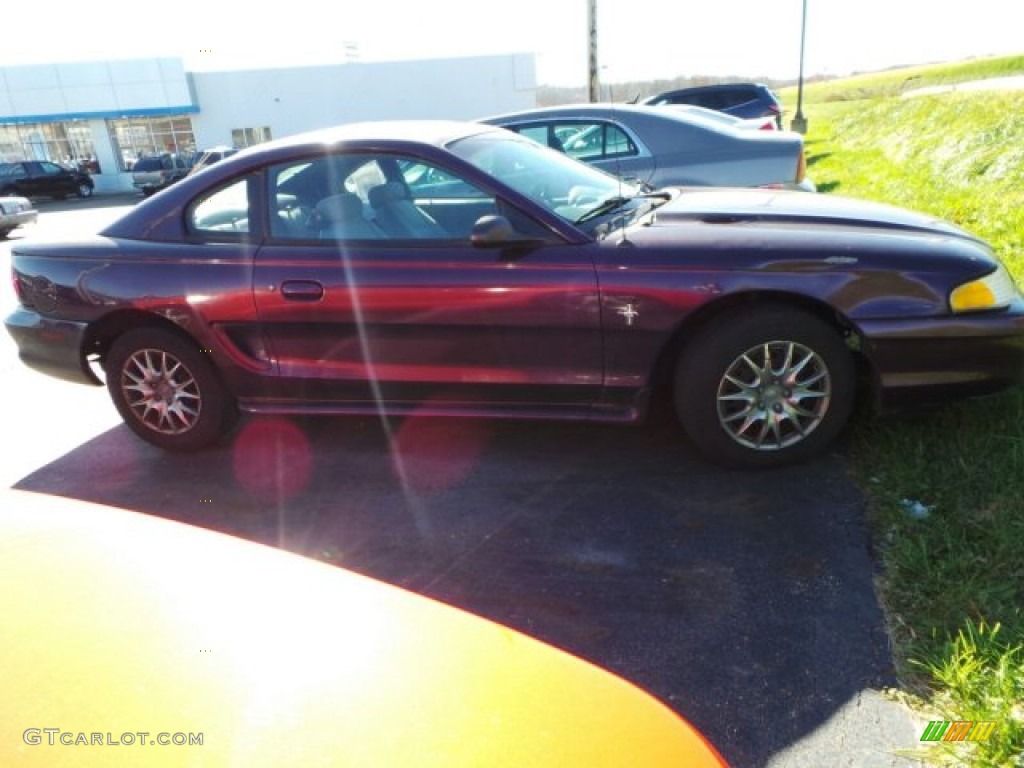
x,y
538,133
595,141
547,177
429,182
372,196
223,212
50,169
151,163
15,171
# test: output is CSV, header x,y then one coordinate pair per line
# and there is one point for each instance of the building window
x,y
246,137
138,137
68,143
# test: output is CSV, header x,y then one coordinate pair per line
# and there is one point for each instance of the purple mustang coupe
x,y
459,269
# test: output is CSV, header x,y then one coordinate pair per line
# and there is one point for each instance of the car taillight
x,y
19,289
767,125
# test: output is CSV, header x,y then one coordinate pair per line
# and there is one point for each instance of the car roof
x,y
605,110
435,132
715,87
653,125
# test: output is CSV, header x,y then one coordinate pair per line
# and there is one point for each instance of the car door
x,y
53,180
365,296
33,182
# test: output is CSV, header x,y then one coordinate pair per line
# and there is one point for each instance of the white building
x,y
104,115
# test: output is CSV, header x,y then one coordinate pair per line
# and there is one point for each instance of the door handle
x,y
302,290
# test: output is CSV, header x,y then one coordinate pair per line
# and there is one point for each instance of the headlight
x,y
993,291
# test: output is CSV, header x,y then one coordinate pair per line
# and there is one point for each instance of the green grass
x,y
895,82
953,584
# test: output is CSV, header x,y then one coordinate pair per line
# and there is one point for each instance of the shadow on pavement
x,y
743,600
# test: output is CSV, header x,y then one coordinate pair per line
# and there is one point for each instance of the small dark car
x,y
459,269
746,100
41,178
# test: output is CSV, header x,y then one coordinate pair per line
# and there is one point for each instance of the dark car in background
x,y
442,268
746,100
155,172
41,178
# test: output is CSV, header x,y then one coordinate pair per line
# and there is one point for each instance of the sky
x,y
653,39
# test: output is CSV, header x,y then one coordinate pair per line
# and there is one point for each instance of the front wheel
x,y
767,388
166,390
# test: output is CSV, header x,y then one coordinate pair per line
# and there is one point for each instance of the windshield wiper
x,y
607,206
614,203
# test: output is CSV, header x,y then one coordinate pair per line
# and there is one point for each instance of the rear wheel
x,y
84,190
166,390
767,388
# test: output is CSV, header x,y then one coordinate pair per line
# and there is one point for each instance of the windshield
x,y
562,185
149,164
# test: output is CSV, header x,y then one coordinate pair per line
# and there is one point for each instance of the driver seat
x,y
399,216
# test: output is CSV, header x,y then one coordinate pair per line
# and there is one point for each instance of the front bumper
x,y
931,360
53,347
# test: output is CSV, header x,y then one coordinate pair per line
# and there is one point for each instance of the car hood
x,y
123,626
783,208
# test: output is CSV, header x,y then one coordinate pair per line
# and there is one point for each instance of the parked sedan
x,y
666,147
41,178
449,268
15,212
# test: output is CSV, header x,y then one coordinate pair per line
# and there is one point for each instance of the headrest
x,y
343,207
391,192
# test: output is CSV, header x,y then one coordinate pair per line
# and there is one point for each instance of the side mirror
x,y
497,232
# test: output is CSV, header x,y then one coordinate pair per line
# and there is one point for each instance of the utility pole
x,y
594,86
799,123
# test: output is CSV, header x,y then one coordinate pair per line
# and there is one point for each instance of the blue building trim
x,y
114,114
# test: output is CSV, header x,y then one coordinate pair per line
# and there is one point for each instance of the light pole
x,y
799,123
594,87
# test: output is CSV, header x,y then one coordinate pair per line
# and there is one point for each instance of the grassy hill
x,y
953,582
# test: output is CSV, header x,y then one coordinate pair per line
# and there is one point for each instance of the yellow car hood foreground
x,y
126,639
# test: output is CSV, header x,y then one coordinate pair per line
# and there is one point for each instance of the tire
x,y
737,416
167,391
4,233
84,190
